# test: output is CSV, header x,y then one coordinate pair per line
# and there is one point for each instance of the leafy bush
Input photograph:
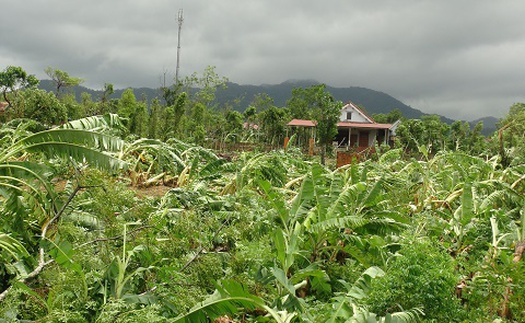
x,y
420,275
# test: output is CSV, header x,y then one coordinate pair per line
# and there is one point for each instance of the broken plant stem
x,y
202,248
42,263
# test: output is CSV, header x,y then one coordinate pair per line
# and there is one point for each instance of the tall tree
x,y
476,141
201,91
197,130
206,84
234,123
173,117
155,119
458,134
179,110
463,137
326,112
390,117
74,109
436,133
41,106
104,104
14,78
134,112
318,104
273,123
511,134
140,120
127,103
427,135
170,93
301,103
250,114
262,101
62,79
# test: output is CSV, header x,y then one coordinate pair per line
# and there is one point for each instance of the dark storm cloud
x,y
462,59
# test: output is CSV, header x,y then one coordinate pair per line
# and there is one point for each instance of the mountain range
x,y
372,101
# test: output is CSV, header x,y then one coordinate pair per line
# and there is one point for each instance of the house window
x,y
349,115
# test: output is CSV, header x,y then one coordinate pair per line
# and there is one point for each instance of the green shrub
x,y
420,275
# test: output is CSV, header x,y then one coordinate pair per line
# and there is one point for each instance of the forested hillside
x,y
372,101
240,96
121,210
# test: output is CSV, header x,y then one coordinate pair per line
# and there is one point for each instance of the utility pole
x,y
180,19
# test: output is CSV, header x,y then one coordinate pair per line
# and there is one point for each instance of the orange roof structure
x,y
301,123
341,124
362,125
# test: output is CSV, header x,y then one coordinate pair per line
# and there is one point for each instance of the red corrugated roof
x,y
344,124
301,123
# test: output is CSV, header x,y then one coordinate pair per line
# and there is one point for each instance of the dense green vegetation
x,y
136,212
239,96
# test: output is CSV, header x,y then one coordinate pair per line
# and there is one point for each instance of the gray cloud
x,y
462,59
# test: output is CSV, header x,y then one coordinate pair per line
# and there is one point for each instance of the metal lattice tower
x,y
180,18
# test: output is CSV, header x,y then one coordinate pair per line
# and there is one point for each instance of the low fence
x,y
345,157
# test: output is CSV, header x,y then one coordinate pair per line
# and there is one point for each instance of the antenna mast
x,y
180,19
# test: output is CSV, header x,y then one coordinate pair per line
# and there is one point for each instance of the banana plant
x,y
228,298
276,167
310,225
287,274
110,124
118,276
152,160
26,192
345,209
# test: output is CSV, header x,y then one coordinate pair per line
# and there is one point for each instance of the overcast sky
x,y
461,59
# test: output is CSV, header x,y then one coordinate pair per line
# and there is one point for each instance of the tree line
x,y
188,111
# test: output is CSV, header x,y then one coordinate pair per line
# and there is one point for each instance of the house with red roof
x,y
356,130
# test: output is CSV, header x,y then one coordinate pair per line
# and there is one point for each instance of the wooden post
x,y
349,136
311,147
286,140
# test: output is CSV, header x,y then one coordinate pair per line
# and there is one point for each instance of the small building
x,y
250,125
356,130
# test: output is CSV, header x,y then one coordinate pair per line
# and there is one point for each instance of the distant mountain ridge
x,y
490,124
372,101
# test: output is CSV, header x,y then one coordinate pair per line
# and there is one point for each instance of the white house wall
x,y
356,116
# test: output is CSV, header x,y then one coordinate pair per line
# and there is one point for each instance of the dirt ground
x,y
151,191
141,191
